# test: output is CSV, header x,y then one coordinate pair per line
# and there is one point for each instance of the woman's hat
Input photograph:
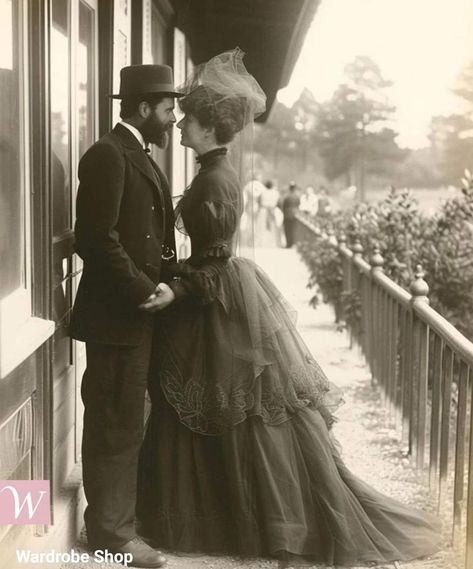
x,y
146,80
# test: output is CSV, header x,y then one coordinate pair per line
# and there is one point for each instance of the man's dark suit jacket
x,y
124,217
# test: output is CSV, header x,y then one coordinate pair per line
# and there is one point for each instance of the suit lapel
x,y
138,157
136,154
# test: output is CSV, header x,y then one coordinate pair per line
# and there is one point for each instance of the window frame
x,y
21,333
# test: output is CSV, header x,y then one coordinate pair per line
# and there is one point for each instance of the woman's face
x,y
193,135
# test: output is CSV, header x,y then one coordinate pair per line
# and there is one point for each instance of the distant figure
x,y
324,206
347,197
290,207
251,203
268,229
309,201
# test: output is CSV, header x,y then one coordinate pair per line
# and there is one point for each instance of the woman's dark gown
x,y
238,456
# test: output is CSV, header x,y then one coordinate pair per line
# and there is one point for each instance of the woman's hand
x,y
162,297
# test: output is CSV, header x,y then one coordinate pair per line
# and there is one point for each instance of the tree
x,y
305,111
451,137
289,135
464,88
354,137
278,136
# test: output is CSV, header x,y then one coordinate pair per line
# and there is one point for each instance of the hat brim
x,y
162,93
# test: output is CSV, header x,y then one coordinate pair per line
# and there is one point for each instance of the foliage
x,y
442,244
353,136
347,134
451,138
420,169
326,273
446,255
278,136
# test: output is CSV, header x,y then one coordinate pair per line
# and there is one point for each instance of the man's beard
x,y
155,132
163,140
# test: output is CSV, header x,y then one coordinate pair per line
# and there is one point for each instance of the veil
x,y
231,349
226,77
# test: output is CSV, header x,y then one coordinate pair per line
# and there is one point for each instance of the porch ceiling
x,y
270,32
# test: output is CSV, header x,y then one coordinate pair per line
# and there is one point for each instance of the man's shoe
x,y
143,555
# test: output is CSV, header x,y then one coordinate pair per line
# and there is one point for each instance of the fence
x,y
423,367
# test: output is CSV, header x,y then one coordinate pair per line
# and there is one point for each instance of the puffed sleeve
x,y
219,222
200,285
215,217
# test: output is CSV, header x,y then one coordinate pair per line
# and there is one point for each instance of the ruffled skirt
x,y
258,488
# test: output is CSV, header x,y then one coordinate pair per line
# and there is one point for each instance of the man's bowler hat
x,y
146,80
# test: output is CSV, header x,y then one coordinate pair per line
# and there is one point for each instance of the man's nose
x,y
173,118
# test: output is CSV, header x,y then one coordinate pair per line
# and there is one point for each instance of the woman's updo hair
x,y
225,114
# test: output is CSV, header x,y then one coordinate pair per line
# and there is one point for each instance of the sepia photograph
x,y
236,284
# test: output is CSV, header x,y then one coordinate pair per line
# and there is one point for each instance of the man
x,y
125,236
290,207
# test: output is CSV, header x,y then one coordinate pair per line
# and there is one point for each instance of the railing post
x,y
354,277
375,320
357,250
376,260
435,416
459,502
342,241
469,503
419,367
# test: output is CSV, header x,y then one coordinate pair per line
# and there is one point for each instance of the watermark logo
x,y
24,502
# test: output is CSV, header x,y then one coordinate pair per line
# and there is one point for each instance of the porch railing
x,y
423,366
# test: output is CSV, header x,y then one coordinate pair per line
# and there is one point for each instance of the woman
x,y
238,457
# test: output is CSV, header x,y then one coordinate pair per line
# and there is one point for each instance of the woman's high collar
x,y
210,156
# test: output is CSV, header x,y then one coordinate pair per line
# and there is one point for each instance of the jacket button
x,y
148,236
152,208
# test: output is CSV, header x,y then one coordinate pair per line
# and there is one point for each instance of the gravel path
x,y
371,449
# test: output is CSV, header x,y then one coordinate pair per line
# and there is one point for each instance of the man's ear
x,y
144,109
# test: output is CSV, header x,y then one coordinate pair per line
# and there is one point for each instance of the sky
x,y
420,45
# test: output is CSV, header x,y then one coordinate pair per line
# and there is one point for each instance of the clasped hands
x,y
162,297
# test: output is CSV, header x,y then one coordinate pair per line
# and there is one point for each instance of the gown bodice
x,y
210,210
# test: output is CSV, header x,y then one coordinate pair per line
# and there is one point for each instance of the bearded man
x,y
125,235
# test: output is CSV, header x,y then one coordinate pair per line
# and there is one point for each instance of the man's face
x,y
158,123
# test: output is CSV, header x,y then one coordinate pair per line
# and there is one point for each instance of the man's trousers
x,y
113,392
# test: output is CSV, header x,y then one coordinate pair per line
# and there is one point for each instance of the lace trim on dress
x,y
215,411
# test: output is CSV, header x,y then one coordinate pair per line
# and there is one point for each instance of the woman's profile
x,y
238,456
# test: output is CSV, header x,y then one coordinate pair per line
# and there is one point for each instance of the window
x,y
20,334
121,47
12,238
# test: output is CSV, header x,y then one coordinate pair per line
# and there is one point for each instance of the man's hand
x,y
162,297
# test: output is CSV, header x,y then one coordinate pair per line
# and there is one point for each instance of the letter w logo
x,y
24,502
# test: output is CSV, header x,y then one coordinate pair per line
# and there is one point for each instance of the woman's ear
x,y
209,131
